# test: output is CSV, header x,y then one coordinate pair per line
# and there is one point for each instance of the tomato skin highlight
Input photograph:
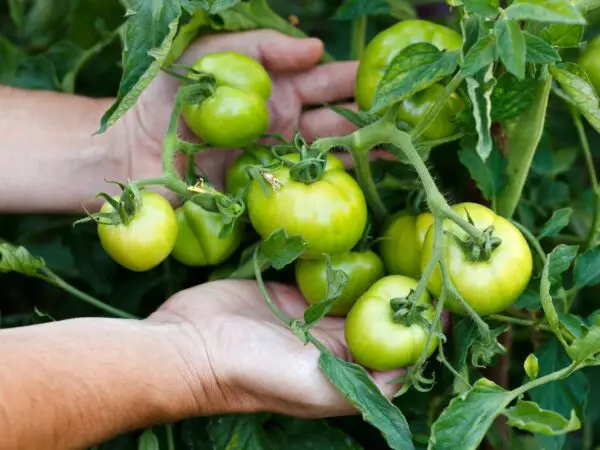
x,y
488,286
363,269
402,241
198,243
237,177
374,339
589,61
330,214
236,113
147,239
383,48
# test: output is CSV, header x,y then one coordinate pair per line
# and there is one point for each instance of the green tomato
x,y
384,48
236,113
403,237
375,340
330,214
363,269
590,62
198,243
237,177
488,286
147,239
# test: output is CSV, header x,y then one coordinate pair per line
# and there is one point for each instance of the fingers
x,y
327,83
274,50
325,122
385,381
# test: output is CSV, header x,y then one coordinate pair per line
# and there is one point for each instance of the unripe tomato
x,y
590,62
147,239
363,269
237,177
198,242
384,48
488,286
330,214
236,113
402,242
378,342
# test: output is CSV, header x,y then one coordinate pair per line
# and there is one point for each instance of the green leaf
x,y
148,441
280,249
558,262
353,382
563,36
464,333
11,57
336,282
528,416
510,43
585,348
18,259
577,86
587,269
480,55
358,118
238,432
556,11
398,9
484,8
149,31
213,6
511,96
560,396
299,434
464,423
480,90
415,68
559,220
539,51
489,175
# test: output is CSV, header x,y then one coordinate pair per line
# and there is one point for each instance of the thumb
x,y
274,50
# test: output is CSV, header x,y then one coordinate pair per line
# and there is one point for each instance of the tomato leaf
x,y
484,8
511,96
480,89
578,88
528,416
479,56
351,9
556,11
18,259
212,6
280,249
586,347
353,382
559,220
510,44
358,118
563,35
464,423
587,269
148,441
538,51
238,431
489,175
415,68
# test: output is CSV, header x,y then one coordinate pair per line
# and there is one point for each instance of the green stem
x,y
263,290
554,376
359,32
589,161
523,137
365,179
435,110
170,437
436,255
533,241
54,279
522,322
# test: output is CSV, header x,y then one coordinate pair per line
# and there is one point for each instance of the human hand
x,y
298,81
241,358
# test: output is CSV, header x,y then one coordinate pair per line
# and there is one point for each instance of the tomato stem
x,y
359,31
533,241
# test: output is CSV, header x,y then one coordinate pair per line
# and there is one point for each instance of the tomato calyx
x,y
406,311
478,249
124,208
311,164
230,209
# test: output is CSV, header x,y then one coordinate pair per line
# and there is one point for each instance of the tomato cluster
x,y
311,195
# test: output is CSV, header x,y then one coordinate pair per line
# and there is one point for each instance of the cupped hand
x,y
244,359
298,82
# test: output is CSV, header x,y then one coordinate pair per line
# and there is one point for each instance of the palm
x,y
297,82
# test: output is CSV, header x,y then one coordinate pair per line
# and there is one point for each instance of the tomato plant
x,y
379,341
235,111
488,113
363,269
143,240
198,241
